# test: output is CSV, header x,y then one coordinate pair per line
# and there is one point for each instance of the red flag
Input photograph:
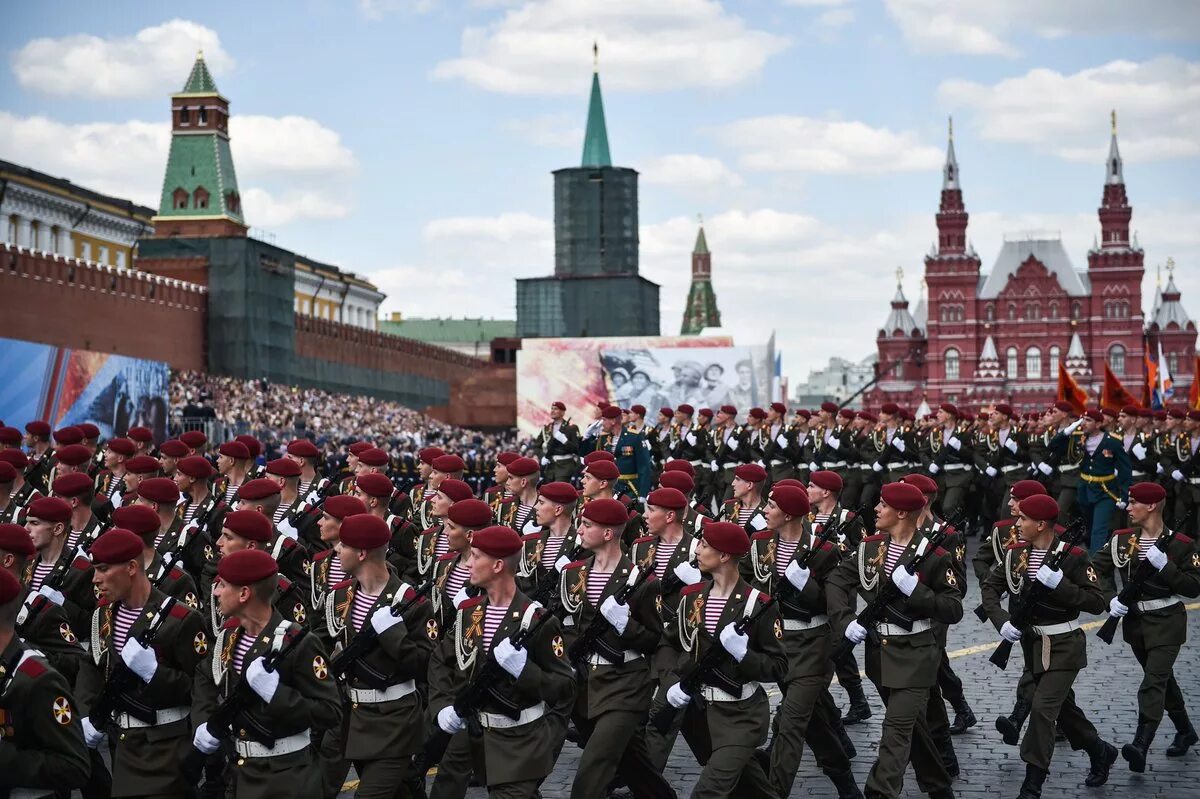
x,y
1069,390
1194,391
1114,395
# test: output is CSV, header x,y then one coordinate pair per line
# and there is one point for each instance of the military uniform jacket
x,y
622,686
77,590
402,551
421,509
1010,466
173,581
779,446
897,661
41,740
1108,459
731,512
546,445
1116,563
392,728
724,451
443,609
292,558
189,541
992,548
643,552
290,602
44,626
889,456
1064,451
1078,591
834,448
514,754
1147,464
954,465
530,572
689,444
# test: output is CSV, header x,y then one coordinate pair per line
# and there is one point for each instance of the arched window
x,y
1055,357
203,115
989,312
1053,310
951,364
1011,363
1033,363
1033,310
179,198
1173,364
1076,310
183,116
200,197
1012,311
1116,359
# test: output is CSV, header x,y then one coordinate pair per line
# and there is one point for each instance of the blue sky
x,y
412,142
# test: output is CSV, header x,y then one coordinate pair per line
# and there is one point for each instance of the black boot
x,y
1135,752
859,709
1009,726
946,752
843,737
964,718
1103,755
1031,788
1185,738
847,788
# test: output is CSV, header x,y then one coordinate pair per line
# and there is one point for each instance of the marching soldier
x,y
76,490
186,545
166,576
418,495
233,466
262,495
376,492
498,492
949,459
249,529
200,507
169,455
305,455
432,543
1063,447
47,522
690,443
557,445
747,506
833,445
1004,532
518,513
1155,627
285,472
41,456
551,549
601,479
1003,457
730,449
779,447
1055,649
8,476
629,449
326,570
1104,472
1184,472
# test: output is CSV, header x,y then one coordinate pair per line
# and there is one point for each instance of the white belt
x,y
1057,629
865,467
836,465
165,716
730,465
1013,467
713,694
283,746
918,626
954,467
777,461
373,696
563,457
499,721
1194,480
1138,474
800,624
627,656
696,463
1158,604
568,621
1068,467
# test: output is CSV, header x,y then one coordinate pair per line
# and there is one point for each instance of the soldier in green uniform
x,y
164,575
949,459
1156,626
1061,457
1104,472
1184,472
1003,457
42,753
747,505
548,551
833,440
902,652
729,449
690,443
288,705
249,529
48,521
262,495
1004,532
557,445
779,450
325,570
376,492
8,477
1054,648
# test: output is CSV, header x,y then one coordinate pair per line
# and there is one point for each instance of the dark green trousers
x,y
806,714
1159,691
1054,703
905,738
616,744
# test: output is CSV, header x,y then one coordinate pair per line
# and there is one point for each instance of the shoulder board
x,y
32,667
410,593
508,500
429,531
940,552
448,556
324,553
691,589
851,515
763,534
1017,545
1183,538
626,500
472,602
284,583
103,602
1005,523
574,564
180,611
293,631
175,573
1077,551
341,585
648,538
763,596
491,490
876,537
827,546
1123,531
287,542
230,624
531,536
81,563
1059,529
728,502
705,512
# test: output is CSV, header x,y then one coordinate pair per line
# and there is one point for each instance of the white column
x,y
24,231
65,245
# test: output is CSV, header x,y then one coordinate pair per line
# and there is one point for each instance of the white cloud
x,y
153,62
289,144
816,3
1157,102
784,143
262,209
689,171
986,27
544,47
378,9
506,228
548,130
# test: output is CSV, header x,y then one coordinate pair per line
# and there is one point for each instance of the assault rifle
x,y
366,640
1033,591
590,641
315,496
707,670
1132,591
788,594
546,590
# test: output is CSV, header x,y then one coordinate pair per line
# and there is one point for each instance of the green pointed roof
x,y
700,311
595,140
200,81
701,247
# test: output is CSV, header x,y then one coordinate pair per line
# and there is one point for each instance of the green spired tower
x,y
701,309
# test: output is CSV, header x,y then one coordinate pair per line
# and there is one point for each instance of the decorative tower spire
x,y
950,170
701,309
952,214
900,319
1114,165
1114,211
595,140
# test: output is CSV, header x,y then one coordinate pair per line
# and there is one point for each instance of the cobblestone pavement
x,y
1106,690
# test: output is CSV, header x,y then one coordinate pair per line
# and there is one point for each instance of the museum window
x,y
1012,312
1033,363
203,115
183,116
1055,357
952,364
1116,359
1054,310
989,312
1173,364
1076,310
1011,363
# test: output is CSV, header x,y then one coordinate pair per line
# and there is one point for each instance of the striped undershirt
x,y
1144,544
1036,558
158,538
893,557
493,617
662,557
522,516
457,579
189,513
280,513
821,518
125,617
784,551
595,586
113,486
336,573
231,494
744,516
552,549
302,487
41,571
72,540
245,642
441,544
361,610
714,606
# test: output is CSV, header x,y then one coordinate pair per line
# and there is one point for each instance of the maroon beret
x,y
142,434
497,541
1004,408
235,449
1147,493
16,539
365,531
1109,412
174,448
142,464
428,454
470,513
448,464
1131,410
611,412
685,409
248,524
758,413
924,482
728,410
779,407
159,489
8,473
38,428
889,408
68,435
455,490
340,506
523,467
373,457
669,498
303,448
283,467
829,407
791,500
949,408
846,413
790,481
667,411
73,454
89,430
727,537
138,519
253,445
680,465
1065,407
706,413
804,413
903,496
750,472
118,545
50,509
15,458
562,493
195,466
640,410
608,512
258,489
1040,507
358,446
679,480
375,484
121,446
246,567
194,439
1176,413
559,405
10,437
598,455
1095,416
1024,489
603,470
1194,415
10,587
506,457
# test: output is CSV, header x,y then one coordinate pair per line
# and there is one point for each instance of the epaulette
x,y
626,500
1005,523
410,593
1017,545
32,667
940,552
1122,531
288,543
644,539
1059,529
728,502
851,515
175,573
876,537
693,588
575,564
1187,539
508,500
448,556
472,602
180,610
531,536
284,583
293,631
231,623
827,546
763,596
1077,551
429,531
763,534
81,563
340,586
324,553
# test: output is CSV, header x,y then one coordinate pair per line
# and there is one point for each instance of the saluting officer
x,y
558,445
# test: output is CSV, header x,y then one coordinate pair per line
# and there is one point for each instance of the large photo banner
x,y
66,386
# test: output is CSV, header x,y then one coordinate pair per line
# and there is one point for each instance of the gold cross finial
x,y
1171,267
1114,121
899,274
700,219
200,54
951,126
595,55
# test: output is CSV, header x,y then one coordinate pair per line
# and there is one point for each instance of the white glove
x,y
1011,443
876,467
449,721
1157,558
545,461
713,466
677,697
732,443
53,595
856,633
286,528
1139,451
616,614
460,597
382,620
204,741
955,443
690,438
1115,608
140,660
797,575
560,437
91,736
1122,504
1073,426
1010,633
1178,475
735,643
688,573
835,443
899,444
1045,468
781,440
510,658
561,563
813,467
1049,577
1159,468
934,468
991,471
904,580
264,683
